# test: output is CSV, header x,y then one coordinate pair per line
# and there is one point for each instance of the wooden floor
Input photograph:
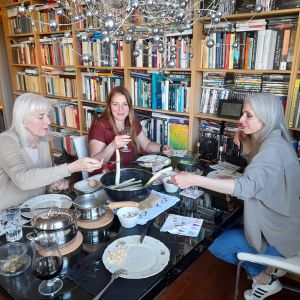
x,y
209,278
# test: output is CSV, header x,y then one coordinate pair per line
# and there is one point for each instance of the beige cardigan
x,y
21,178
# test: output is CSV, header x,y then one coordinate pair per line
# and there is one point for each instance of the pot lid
x,y
55,218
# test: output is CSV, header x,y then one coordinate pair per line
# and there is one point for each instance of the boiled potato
x,y
93,183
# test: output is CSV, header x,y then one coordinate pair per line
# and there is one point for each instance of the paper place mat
x,y
192,193
181,225
225,166
164,202
179,153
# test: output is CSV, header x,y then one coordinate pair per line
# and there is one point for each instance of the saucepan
x,y
59,224
136,195
91,206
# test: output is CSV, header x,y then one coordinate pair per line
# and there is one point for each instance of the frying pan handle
x,y
113,205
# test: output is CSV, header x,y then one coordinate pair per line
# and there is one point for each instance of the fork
x,y
114,276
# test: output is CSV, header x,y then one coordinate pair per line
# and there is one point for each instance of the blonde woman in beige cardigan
x,y
25,162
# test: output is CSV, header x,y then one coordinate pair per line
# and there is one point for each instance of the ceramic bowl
x,y
169,187
128,216
12,258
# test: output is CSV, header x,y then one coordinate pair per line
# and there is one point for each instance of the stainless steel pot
x,y
58,224
91,206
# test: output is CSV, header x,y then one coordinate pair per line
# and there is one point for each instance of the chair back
x,y
81,147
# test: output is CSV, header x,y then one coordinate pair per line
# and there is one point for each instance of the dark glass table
x,y
85,268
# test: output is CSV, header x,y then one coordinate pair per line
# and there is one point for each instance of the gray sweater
x,y
21,178
270,188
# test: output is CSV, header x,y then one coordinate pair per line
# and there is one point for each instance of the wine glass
x,y
125,131
47,263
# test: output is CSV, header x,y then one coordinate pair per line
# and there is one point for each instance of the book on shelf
x,y
292,114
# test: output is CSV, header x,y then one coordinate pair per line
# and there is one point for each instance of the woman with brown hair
x,y
107,133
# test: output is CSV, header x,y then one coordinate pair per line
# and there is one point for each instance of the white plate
x,y
221,173
47,200
140,260
148,160
83,185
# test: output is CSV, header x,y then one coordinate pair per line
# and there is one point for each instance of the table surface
x,y
218,214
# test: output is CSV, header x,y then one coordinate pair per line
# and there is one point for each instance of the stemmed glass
x,y
125,131
47,263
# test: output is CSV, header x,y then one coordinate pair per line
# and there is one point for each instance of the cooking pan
x,y
137,195
91,206
188,164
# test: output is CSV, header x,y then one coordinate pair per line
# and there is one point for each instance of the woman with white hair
x,y
270,189
25,162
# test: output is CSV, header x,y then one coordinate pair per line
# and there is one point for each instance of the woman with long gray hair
x,y
25,165
270,189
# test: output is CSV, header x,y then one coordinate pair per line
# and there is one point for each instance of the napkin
x,y
181,225
165,201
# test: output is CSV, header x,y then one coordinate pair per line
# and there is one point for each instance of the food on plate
x,y
93,183
13,263
117,257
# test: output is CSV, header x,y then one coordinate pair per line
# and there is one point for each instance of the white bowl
x,y
169,187
128,216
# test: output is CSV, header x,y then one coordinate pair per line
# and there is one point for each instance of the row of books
x,y
294,117
57,50
97,85
28,81
103,54
157,91
62,139
19,25
90,113
238,86
23,51
257,44
150,54
60,85
65,114
165,129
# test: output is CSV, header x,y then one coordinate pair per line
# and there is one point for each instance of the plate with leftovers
x,y
140,260
148,161
223,174
41,203
89,185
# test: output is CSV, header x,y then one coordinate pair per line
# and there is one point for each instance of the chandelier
x,y
131,21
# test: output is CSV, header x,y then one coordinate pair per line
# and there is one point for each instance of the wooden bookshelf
x,y
195,70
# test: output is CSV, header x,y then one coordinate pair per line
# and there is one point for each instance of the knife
x,y
145,230
28,209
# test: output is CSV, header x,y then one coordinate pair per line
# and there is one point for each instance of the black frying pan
x,y
127,173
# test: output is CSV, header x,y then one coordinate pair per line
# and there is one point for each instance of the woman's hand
x,y
167,150
241,137
184,180
59,185
121,140
85,164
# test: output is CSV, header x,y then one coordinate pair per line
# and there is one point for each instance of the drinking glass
x,y
13,226
47,263
125,131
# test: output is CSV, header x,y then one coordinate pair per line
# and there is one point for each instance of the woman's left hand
x,y
183,180
59,185
167,150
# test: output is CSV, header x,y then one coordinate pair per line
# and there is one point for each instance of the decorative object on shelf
x,y
130,20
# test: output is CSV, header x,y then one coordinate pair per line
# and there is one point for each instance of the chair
x,y
81,147
291,265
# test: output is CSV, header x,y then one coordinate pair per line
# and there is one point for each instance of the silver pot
x,y
58,224
91,206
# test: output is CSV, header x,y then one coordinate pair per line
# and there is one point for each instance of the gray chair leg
x,y
237,280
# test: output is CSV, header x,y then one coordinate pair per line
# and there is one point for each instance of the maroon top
x,y
102,131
